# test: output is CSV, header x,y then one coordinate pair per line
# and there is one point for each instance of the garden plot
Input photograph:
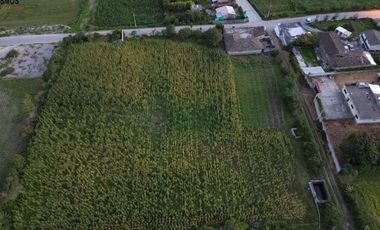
x,y
28,61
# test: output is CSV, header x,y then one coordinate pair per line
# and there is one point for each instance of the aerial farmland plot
x,y
149,135
39,12
119,12
289,8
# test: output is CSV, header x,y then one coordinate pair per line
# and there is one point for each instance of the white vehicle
x,y
309,20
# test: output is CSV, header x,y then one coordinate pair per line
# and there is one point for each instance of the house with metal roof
x,y
371,40
288,33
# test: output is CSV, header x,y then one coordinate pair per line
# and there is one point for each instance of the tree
x,y
213,37
114,36
170,31
332,216
185,33
306,40
362,149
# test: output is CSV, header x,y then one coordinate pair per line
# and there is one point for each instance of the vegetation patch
x,y
148,134
357,26
17,109
363,191
258,87
288,8
132,13
119,12
40,12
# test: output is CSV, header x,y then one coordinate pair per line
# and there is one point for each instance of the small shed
x,y
225,12
319,191
342,32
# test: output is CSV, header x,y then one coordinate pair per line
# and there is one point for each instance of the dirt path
x,y
276,113
88,13
92,4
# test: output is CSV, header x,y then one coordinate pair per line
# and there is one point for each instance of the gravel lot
x,y
31,61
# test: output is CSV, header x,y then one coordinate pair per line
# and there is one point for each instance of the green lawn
x,y
366,190
288,8
41,12
257,87
355,26
309,55
14,109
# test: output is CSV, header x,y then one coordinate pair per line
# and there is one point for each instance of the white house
x,y
342,32
225,12
288,33
371,40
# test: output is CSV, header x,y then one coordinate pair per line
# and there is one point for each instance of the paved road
x,y
254,20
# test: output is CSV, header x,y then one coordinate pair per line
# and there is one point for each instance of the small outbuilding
x,y
225,12
342,32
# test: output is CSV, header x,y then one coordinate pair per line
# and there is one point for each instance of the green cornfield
x,y
125,12
148,135
289,8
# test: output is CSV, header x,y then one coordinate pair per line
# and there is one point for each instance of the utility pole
x,y
134,18
122,35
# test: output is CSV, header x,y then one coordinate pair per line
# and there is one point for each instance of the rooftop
x,y
244,40
331,43
367,105
289,32
338,56
373,37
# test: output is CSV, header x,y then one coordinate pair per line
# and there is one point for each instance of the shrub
x,y
233,224
170,31
114,36
8,70
185,33
362,149
213,37
332,216
12,54
19,162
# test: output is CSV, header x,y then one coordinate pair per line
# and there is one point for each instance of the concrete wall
x,y
330,146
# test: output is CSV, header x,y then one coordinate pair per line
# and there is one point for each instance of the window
x,y
345,91
352,106
356,116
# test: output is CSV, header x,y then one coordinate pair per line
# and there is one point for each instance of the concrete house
x,y
335,56
371,40
243,41
288,33
363,100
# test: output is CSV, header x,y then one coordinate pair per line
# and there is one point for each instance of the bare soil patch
x,y
340,130
351,78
